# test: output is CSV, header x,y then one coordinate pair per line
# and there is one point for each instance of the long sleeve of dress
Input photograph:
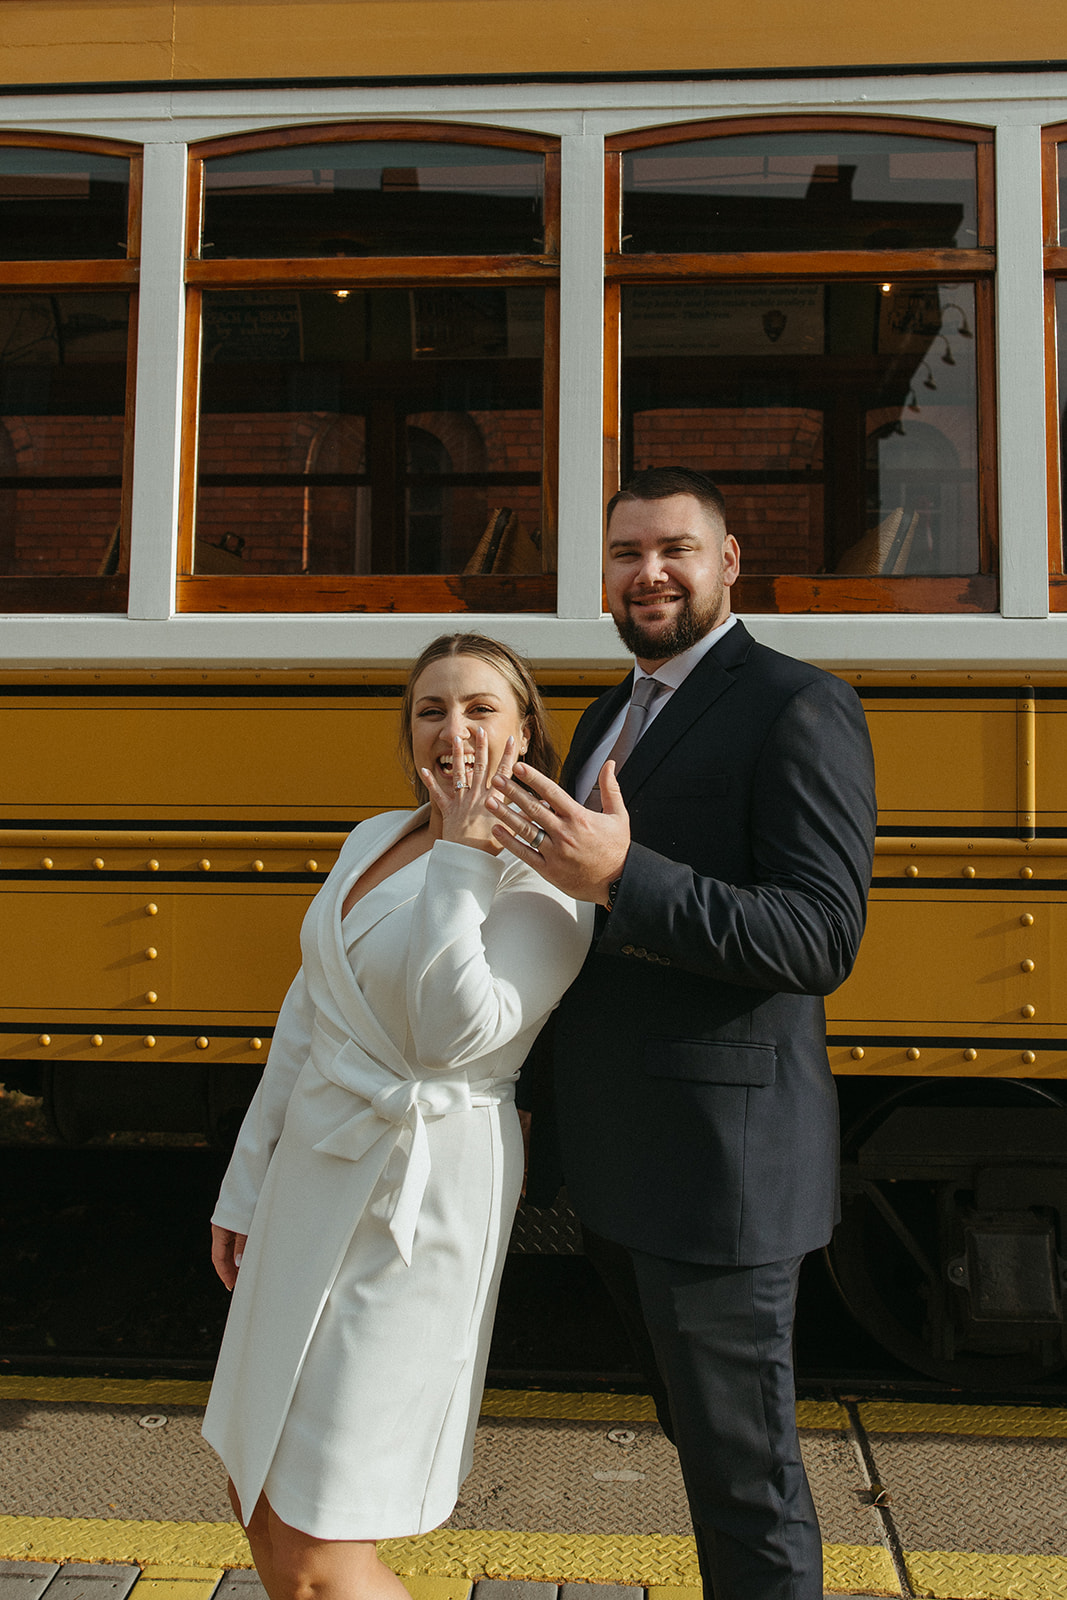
x,y
492,949
262,1125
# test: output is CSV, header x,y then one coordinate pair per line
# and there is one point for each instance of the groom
x,y
724,822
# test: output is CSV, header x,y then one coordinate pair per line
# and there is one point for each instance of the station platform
x,y
106,1486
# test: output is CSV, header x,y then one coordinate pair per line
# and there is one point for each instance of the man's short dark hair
x,y
659,483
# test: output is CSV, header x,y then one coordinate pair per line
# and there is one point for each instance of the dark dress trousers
x,y
694,1108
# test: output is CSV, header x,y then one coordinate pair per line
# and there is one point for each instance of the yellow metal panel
x,y
1051,763
942,766
86,41
67,950
991,1059
71,949
110,39
959,960
234,952
244,759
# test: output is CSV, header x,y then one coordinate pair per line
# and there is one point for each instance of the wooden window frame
x,y
22,592
824,592
399,592
1055,267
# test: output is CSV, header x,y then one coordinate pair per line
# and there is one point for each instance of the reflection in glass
x,y
800,191
839,419
373,198
1061,393
371,431
62,205
62,410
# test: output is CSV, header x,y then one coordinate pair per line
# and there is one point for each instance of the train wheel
x,y
894,1257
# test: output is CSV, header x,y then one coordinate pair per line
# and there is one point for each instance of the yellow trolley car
x,y
324,328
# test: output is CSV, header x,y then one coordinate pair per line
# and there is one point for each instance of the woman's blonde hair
x,y
541,750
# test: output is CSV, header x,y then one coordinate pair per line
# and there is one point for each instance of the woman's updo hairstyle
x,y
540,752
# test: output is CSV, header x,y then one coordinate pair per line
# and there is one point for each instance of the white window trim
x,y
1015,105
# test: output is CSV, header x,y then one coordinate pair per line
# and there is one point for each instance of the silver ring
x,y
538,839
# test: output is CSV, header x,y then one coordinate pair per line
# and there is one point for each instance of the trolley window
x,y
373,319
805,313
68,266
1055,187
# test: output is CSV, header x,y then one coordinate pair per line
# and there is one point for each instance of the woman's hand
x,y
464,818
227,1248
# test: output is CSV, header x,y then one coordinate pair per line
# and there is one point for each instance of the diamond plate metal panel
x,y
1002,1496
85,1460
546,1230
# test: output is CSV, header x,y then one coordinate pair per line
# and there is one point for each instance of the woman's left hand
x,y
464,818
227,1248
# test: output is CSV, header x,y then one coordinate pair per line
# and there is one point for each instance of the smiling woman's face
x,y
452,697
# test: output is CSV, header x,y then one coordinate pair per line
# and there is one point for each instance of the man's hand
x,y
582,852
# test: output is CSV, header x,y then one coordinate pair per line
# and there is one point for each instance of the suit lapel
x,y
591,729
709,679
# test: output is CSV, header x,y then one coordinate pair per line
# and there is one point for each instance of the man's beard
x,y
687,629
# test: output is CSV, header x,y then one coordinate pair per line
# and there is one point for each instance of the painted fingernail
x,y
237,1260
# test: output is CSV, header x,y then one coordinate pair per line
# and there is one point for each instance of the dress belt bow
x,y
394,1107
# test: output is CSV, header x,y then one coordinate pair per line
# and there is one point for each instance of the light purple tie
x,y
646,692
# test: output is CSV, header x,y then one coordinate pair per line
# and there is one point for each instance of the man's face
x,y
668,568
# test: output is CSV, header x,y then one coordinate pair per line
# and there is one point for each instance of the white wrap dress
x,y
376,1175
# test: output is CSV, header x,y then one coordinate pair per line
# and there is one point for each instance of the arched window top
x,y
401,190
1055,141
796,184
64,202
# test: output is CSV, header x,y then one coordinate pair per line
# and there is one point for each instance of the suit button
x,y
641,951
628,950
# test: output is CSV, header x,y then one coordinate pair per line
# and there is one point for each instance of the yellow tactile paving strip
x,y
182,1560
177,1548
967,1577
543,1403
1001,1422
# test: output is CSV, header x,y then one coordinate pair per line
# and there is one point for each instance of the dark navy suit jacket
x,y
694,1106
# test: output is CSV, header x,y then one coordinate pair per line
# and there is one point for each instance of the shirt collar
x,y
673,673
